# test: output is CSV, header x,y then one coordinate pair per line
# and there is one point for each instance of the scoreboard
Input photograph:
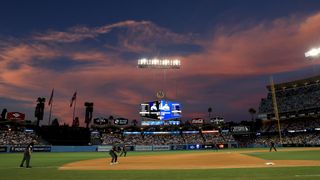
x,y
161,110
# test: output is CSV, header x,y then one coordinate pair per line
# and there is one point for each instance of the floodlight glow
x,y
315,52
159,63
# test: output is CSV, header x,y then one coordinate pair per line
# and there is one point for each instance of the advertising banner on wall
x,y
3,149
143,148
197,121
104,148
209,146
35,148
121,121
194,146
161,148
178,147
100,121
14,116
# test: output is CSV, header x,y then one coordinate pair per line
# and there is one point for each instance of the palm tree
x,y
110,119
209,111
252,111
134,122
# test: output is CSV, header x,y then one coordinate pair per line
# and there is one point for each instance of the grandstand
x,y
299,112
298,98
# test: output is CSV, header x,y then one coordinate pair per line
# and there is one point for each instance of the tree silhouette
x,y
3,114
55,122
209,111
39,111
110,119
252,111
134,122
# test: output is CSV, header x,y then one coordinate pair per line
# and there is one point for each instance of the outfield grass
x,y
45,167
287,155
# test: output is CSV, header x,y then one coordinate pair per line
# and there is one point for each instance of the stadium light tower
x,y
162,64
159,63
313,53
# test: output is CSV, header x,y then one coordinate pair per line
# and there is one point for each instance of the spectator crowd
x,y
304,139
10,137
294,99
165,139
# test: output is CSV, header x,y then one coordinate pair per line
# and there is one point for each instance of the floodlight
x,y
315,52
159,63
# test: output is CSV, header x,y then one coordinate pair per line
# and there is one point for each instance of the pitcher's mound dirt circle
x,y
201,160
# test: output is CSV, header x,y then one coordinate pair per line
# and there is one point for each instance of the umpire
x,y
27,155
113,154
272,146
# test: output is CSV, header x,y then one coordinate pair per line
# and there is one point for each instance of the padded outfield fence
x,y
45,148
105,148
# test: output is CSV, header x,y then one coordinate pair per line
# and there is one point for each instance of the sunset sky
x,y
228,50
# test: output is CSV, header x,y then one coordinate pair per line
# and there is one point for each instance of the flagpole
x,y
74,108
51,104
50,112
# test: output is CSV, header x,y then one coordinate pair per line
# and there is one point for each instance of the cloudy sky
x,y
228,49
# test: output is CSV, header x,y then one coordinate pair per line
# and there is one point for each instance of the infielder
x,y
113,154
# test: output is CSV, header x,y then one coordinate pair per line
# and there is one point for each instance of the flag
x,y
51,97
74,97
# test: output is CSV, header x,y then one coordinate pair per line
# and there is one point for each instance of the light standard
x,y
163,64
313,53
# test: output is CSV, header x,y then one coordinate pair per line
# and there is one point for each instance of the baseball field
x,y
287,163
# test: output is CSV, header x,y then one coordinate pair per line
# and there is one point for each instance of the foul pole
x,y
275,107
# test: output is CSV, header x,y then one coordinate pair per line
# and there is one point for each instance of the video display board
x,y
161,110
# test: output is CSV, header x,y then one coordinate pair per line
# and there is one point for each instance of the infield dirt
x,y
201,160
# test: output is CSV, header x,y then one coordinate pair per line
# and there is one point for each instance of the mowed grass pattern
x,y
45,167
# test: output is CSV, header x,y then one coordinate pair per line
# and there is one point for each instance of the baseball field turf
x,y
166,165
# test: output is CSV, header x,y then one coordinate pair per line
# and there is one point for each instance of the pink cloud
x,y
265,48
95,56
135,31
25,52
79,33
117,87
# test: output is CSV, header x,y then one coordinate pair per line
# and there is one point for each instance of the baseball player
x,y
113,154
123,151
27,155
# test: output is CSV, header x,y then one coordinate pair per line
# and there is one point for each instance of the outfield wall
x,y
105,148
73,148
